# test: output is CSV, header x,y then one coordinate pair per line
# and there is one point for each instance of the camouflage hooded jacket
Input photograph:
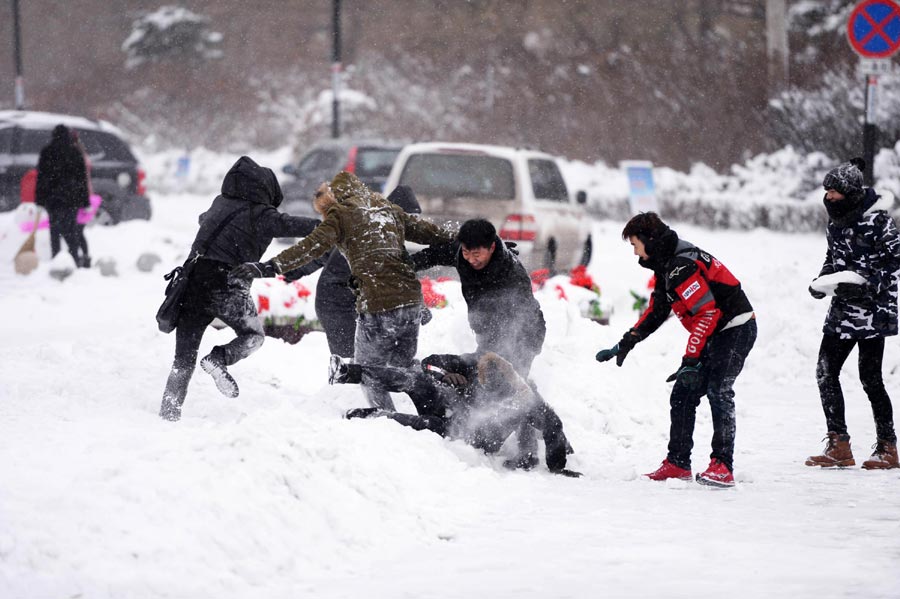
x,y
371,234
866,242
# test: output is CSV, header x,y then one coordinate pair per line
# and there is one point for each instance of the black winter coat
x,y
62,181
503,312
865,241
254,190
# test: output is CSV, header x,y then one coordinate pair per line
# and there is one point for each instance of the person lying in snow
x,y
479,400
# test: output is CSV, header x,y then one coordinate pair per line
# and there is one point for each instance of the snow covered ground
x,y
274,495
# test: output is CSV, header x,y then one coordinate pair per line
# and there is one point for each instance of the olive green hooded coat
x,y
371,233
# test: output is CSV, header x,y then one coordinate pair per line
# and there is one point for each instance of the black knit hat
x,y
846,178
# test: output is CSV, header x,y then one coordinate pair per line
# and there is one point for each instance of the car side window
x,y
319,160
32,141
6,136
105,147
546,181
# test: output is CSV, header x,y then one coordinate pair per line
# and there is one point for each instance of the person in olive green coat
x,y
371,234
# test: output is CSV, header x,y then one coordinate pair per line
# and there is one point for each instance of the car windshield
x,y
460,175
375,162
100,146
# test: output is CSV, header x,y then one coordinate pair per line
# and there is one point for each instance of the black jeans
x,y
721,362
833,352
386,339
64,223
210,295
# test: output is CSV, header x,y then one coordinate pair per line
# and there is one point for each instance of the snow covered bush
x,y
170,32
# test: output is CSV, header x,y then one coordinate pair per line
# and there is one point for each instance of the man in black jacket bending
x,y
503,312
250,197
481,401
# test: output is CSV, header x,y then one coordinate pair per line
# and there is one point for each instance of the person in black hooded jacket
x,y
250,198
61,189
335,298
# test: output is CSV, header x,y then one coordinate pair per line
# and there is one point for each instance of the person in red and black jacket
x,y
709,302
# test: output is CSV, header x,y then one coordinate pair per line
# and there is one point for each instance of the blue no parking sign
x,y
874,28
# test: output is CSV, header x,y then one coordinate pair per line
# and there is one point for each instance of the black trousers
x,y
210,296
64,224
721,362
833,353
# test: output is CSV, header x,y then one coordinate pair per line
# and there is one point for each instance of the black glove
x,y
424,316
688,373
362,413
511,246
853,291
620,349
455,379
815,294
252,270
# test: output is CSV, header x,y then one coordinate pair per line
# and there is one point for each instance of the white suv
x,y
522,192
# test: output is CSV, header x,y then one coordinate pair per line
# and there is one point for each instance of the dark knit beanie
x,y
846,178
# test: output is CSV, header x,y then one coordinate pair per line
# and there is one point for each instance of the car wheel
x,y
550,257
587,252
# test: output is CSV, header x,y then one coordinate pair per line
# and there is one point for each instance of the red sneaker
x,y
717,475
669,470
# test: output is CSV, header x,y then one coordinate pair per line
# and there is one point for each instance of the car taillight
x,y
141,186
519,227
350,167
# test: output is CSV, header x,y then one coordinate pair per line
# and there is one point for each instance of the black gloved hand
x,y
816,294
567,472
853,291
425,316
620,349
511,246
362,413
688,373
252,270
455,379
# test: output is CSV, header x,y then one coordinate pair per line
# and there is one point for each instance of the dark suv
x,y
371,161
115,174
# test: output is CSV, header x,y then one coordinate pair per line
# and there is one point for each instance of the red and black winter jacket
x,y
702,292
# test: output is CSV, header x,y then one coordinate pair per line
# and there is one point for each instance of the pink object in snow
x,y
85,215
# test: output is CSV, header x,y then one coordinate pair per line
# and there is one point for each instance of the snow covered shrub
x,y
170,32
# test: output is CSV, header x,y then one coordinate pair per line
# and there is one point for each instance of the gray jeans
x,y
386,339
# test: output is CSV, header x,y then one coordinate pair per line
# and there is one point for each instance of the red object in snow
x,y
27,186
263,304
580,278
539,277
561,293
432,298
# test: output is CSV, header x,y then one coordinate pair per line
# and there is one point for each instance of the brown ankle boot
x,y
884,458
837,453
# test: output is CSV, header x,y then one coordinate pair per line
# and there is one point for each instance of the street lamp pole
x,y
336,69
17,50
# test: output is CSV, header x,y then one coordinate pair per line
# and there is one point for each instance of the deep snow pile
x,y
274,495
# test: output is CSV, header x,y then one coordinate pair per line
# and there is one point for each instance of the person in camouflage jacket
x,y
862,239
371,233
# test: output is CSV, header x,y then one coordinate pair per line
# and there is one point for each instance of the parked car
x,y
370,160
115,173
522,192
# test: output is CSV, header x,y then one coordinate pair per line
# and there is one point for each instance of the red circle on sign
x,y
860,13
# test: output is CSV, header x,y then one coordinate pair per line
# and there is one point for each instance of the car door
x,y
557,217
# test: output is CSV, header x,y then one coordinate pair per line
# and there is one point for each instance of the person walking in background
x,y
82,240
61,189
371,234
238,227
335,296
862,239
709,302
502,310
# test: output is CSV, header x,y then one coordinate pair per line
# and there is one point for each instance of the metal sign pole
x,y
17,48
336,69
870,129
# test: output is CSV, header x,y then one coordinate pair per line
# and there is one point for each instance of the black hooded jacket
x,y
503,312
62,174
254,191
